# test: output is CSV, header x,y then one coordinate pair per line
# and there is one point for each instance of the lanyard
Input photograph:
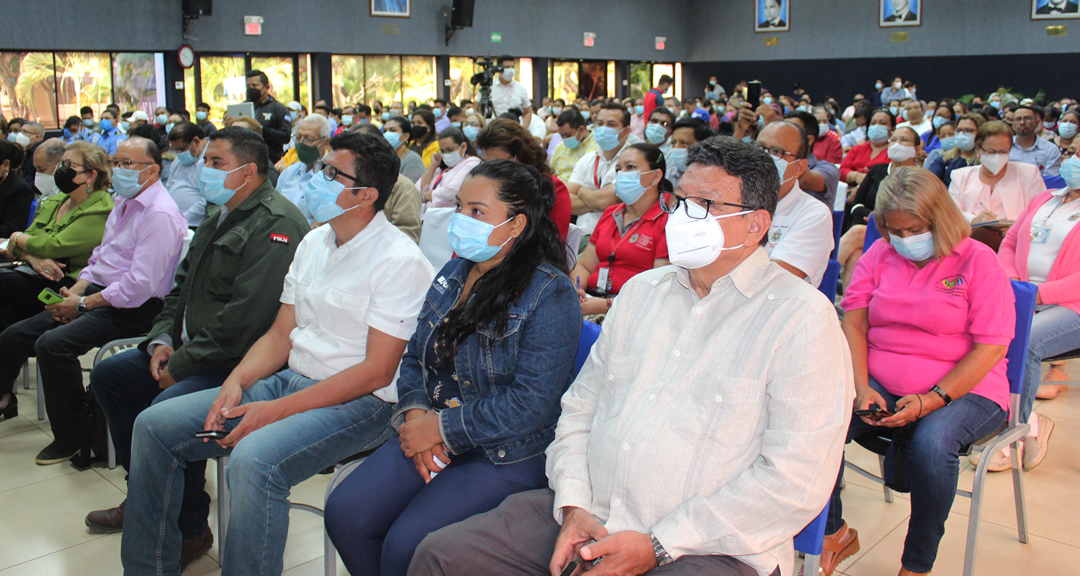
x,y
596,171
435,184
629,233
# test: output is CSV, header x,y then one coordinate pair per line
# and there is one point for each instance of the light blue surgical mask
x,y
321,196
948,143
748,139
639,110
346,120
106,125
628,186
212,185
996,104
186,158
1066,129
169,127
1070,171
393,138
125,125
965,142
385,116
162,119
607,138
126,181
585,114
766,100
655,134
200,116
471,132
877,133
803,108
438,112
939,120
88,123
677,157
456,124
916,248
13,136
469,238
879,86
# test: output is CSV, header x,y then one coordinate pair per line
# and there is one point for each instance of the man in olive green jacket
x,y
225,298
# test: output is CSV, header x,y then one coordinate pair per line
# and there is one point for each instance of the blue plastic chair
x,y
1010,435
872,234
810,542
1054,182
829,280
589,333
837,229
33,212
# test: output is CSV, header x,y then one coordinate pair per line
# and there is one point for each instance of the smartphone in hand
x,y
873,411
212,434
49,296
753,94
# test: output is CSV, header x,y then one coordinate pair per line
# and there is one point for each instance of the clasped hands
x,y
421,440
623,553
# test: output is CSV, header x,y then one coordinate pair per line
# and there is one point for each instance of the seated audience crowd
x,y
272,271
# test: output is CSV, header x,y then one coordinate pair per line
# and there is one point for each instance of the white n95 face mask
x,y
695,243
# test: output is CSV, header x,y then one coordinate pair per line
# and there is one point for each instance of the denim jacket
x,y
510,387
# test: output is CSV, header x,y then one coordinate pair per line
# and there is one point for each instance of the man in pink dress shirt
x,y
117,295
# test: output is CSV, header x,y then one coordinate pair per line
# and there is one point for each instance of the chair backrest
x,y
872,234
1025,312
33,212
837,228
811,538
435,238
573,241
841,196
589,333
1054,182
829,280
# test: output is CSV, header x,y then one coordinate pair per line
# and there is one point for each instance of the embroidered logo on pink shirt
x,y
953,285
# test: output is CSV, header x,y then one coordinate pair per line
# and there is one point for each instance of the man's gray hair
x,y
320,122
35,125
51,150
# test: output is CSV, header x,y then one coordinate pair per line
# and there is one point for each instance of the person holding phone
x,y
480,383
449,168
939,375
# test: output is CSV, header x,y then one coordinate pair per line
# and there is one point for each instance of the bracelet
x,y
609,302
919,396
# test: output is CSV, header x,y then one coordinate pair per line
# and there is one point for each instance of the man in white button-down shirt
x,y
348,308
704,443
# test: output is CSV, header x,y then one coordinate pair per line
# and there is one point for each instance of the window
x,y
83,79
305,80
382,79
347,77
611,78
223,82
418,78
523,73
279,70
593,80
134,81
461,73
640,74
659,70
563,80
190,100
28,87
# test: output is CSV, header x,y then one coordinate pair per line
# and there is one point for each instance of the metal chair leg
x,y
111,449
811,564
1018,493
40,394
26,376
885,488
222,501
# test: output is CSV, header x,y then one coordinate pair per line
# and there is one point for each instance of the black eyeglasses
x,y
331,173
774,151
696,208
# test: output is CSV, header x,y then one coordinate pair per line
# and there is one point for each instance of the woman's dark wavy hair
x,y
656,161
512,137
455,134
525,191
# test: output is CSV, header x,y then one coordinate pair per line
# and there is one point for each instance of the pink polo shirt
x,y
924,321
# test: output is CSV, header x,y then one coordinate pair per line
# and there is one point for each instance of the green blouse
x,y
74,236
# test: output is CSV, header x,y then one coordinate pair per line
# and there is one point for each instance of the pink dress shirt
x,y
1008,198
445,184
1062,286
138,256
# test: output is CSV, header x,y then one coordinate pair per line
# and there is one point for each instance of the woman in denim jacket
x,y
481,380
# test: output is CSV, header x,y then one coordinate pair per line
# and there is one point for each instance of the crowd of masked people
x,y
289,319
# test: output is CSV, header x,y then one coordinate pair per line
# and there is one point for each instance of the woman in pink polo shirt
x,y
928,316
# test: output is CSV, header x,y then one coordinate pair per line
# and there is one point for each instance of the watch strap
x,y
662,556
944,395
80,306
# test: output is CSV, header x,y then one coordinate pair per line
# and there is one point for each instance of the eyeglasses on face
x,y
695,207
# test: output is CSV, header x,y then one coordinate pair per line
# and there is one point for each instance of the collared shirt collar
x,y
746,276
652,213
374,227
146,197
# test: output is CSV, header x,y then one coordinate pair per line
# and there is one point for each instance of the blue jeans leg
x,y
263,467
383,510
1055,330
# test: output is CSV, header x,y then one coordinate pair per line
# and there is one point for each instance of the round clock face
x,y
186,56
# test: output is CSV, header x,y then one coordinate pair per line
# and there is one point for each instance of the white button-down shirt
x,y
291,183
595,171
378,280
507,96
802,234
715,423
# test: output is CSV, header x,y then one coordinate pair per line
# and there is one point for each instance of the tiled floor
x,y
42,533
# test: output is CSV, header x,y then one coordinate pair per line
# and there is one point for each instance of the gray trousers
x,y
519,536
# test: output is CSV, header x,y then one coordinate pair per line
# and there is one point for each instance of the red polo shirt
x,y
635,252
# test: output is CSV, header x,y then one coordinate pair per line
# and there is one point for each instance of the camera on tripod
x,y
486,76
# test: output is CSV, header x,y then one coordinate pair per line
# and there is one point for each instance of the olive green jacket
x,y
74,236
229,284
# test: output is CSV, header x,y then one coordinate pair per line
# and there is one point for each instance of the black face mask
x,y
254,95
64,177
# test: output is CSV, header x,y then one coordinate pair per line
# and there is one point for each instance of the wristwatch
x,y
81,305
944,395
662,556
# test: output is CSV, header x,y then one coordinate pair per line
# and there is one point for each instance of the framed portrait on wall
x,y
1054,9
771,16
900,13
395,8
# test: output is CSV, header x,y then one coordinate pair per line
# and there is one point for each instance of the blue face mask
x,y
200,116
677,157
939,120
169,127
321,196
125,125
456,124
88,123
803,108
438,112
639,110
346,120
965,141
13,137
766,100
879,85
607,138
571,142
106,124
385,116
67,133
877,133
655,134
996,105
915,248
948,143
186,158
628,186
471,132
748,139
1070,171
162,119
585,114
1066,129
212,185
126,182
393,138
469,238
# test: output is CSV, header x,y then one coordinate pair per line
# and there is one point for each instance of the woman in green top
x,y
65,231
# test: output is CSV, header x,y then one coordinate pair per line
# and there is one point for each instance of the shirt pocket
x,y
722,411
615,387
225,258
348,310
500,353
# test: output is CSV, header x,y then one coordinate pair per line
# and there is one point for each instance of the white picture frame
x,y
391,8
1044,10
897,13
772,15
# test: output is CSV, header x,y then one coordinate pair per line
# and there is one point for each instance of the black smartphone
x,y
578,566
873,410
212,434
753,94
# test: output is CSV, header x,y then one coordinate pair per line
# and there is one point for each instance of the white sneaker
x,y
1000,461
1035,447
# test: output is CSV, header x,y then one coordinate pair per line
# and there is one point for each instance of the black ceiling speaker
x,y
461,14
196,8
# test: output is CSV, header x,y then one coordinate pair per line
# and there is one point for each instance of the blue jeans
x,y
262,469
933,467
382,511
1054,330
124,387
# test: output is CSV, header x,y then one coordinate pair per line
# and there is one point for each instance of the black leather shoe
x,y
56,453
11,407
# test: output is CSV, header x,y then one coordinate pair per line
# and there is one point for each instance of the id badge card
x,y
603,281
1040,233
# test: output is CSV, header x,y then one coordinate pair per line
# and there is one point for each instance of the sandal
x,y
837,548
